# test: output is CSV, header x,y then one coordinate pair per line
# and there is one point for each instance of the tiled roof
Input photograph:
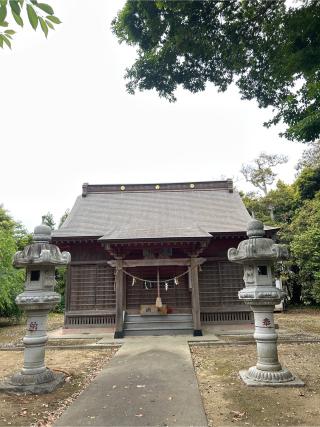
x,y
155,211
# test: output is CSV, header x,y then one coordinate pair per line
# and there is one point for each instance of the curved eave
x,y
66,239
155,239
270,231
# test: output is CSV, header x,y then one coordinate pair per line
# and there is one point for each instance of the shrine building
x,y
152,258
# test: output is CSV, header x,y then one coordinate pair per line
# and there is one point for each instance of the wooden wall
x,y
85,252
91,287
219,283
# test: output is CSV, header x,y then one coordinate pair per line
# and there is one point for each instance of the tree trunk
x,y
296,287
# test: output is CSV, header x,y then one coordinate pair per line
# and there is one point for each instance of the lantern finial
x,y
42,233
255,229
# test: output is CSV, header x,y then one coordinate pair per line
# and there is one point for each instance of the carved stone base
x,y
283,378
22,379
42,383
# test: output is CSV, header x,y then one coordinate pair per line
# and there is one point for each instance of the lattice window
x,y
87,320
225,317
219,283
91,287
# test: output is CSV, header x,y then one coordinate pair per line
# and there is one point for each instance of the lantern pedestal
x,y
35,377
258,255
46,382
277,381
268,371
40,260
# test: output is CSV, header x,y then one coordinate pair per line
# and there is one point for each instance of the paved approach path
x,y
149,382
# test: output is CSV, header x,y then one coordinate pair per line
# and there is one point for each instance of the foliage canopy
x,y
48,220
305,246
13,11
269,49
310,156
308,183
260,172
11,279
296,211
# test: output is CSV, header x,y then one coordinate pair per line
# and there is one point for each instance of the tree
x,y
6,222
21,236
13,11
47,219
61,272
256,206
11,279
308,183
269,49
259,173
305,248
284,202
310,156
19,232
283,199
296,210
64,217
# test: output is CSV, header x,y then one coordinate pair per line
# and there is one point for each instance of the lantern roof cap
x,y
41,251
257,248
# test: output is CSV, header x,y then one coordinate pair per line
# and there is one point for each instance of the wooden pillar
x,y
197,331
119,299
67,294
124,296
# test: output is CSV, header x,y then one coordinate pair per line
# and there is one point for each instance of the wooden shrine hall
x,y
152,258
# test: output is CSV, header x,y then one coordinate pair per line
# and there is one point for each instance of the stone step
x,y
169,317
157,332
168,324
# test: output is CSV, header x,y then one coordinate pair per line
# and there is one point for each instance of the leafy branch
x,y
38,14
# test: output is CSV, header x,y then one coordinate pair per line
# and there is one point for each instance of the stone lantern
x,y
258,255
40,260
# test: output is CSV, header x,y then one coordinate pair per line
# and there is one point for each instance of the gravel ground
x,y
80,367
227,400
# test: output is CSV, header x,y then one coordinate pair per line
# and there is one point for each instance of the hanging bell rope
x,y
158,299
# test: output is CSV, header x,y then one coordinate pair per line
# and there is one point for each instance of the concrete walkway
x,y
149,382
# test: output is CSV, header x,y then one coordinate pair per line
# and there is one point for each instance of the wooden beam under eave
x,y
159,262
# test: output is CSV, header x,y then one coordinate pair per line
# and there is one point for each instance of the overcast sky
x,y
66,119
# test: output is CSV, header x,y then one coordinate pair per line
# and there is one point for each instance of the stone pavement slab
x,y
91,333
149,382
181,338
210,333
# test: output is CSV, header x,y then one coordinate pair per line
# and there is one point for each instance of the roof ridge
x,y
180,186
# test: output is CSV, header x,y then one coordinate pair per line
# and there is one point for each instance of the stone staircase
x,y
170,324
